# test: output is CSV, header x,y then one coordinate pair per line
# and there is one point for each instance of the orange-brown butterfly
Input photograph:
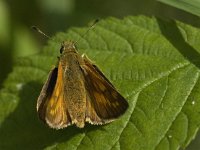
x,y
76,92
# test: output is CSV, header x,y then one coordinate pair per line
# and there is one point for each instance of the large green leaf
x,y
154,64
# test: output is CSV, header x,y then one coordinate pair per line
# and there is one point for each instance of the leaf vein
x,y
195,81
121,37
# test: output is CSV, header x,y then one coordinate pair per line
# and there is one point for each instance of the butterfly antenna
x,y
91,27
39,31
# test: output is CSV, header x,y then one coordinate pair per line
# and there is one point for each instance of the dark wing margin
x,y
105,103
46,91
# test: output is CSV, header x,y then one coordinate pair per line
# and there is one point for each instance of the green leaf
x,y
191,6
154,64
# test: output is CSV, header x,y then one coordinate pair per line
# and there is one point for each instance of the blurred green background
x,y
16,17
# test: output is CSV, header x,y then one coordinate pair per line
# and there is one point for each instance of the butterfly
x,y
76,92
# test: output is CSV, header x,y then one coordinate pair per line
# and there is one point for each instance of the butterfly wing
x,y
104,103
51,104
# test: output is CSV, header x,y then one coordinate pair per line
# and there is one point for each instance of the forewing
x,y
51,104
104,101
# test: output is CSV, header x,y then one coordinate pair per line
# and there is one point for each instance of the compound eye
x,y
61,49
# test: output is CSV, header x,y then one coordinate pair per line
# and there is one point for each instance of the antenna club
x,y
35,28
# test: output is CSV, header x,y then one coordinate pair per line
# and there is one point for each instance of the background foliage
x,y
16,17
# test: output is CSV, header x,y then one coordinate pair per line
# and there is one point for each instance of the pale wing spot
x,y
97,95
116,104
114,94
102,87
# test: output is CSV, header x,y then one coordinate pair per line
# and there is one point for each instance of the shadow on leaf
x,y
172,33
23,130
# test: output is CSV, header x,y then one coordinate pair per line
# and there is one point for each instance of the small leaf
x,y
153,63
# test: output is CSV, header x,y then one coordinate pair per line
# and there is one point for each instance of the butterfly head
x,y
67,46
